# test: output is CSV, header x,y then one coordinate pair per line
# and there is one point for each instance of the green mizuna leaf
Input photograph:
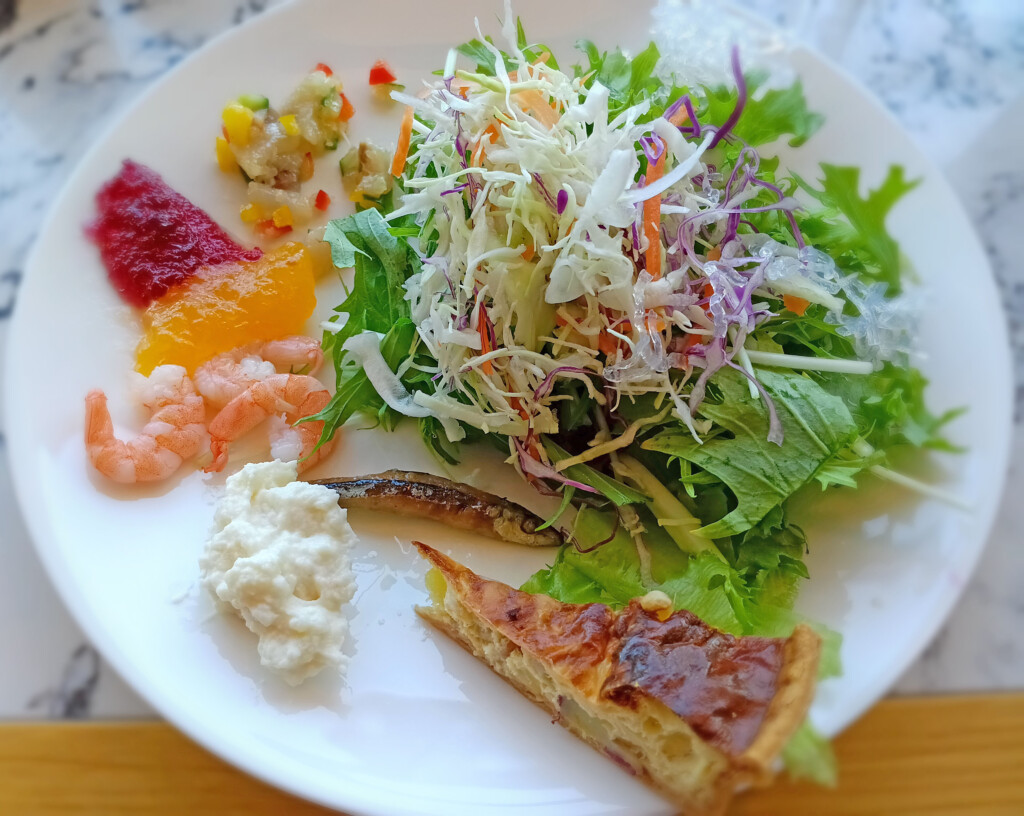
x,y
851,228
382,265
766,116
760,474
355,394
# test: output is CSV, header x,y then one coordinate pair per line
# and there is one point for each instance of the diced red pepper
x,y
325,68
347,110
381,74
323,201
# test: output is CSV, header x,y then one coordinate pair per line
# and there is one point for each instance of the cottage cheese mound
x,y
279,557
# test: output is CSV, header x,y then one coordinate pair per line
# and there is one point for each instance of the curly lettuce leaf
x,y
629,80
808,755
760,474
736,599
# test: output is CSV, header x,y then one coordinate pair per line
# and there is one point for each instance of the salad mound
x,y
607,275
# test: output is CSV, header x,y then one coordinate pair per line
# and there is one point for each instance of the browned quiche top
x,y
721,685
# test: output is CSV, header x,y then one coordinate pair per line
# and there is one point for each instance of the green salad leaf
x,y
382,265
608,487
760,474
808,755
851,228
603,565
767,116
355,394
376,302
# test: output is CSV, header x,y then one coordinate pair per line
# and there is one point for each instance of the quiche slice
x,y
694,712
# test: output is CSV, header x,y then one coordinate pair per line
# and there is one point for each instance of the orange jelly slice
x,y
226,306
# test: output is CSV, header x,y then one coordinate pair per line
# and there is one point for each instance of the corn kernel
x,y
282,217
237,121
250,214
225,158
437,586
289,125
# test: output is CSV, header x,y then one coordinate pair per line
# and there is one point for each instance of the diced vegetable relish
x,y
275,148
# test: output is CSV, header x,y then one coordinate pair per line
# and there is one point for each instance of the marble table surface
x,y
952,71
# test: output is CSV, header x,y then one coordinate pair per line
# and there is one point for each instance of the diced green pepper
x,y
349,163
253,102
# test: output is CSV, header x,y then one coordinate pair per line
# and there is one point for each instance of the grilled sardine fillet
x,y
691,710
423,495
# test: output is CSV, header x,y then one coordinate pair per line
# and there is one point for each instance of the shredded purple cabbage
x,y
653,147
548,383
530,465
544,192
741,101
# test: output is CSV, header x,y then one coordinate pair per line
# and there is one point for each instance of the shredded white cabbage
x,y
531,204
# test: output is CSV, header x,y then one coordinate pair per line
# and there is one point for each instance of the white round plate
x,y
418,725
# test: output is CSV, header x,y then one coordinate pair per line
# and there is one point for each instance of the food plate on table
x,y
417,725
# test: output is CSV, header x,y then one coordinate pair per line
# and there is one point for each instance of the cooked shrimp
x,y
298,353
224,377
175,432
294,395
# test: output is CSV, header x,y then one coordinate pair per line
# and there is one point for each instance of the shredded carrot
x,y
607,343
489,136
402,149
534,102
680,117
797,305
517,403
691,340
485,345
652,220
714,254
476,160
528,253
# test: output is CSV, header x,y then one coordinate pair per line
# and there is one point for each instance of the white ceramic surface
x,y
418,726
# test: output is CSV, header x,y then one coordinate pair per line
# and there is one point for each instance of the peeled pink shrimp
x,y
224,377
294,395
175,432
